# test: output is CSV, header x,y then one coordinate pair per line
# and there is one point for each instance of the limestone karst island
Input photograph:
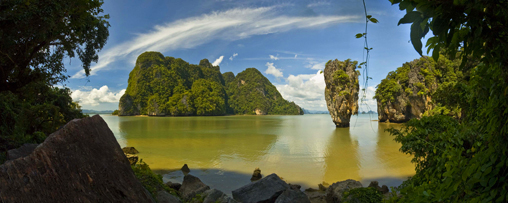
x,y
253,101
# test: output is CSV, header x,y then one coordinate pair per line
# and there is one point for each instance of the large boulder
x,y
81,162
341,92
334,193
165,197
22,151
191,186
264,190
293,196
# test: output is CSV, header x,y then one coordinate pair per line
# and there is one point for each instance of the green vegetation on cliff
x,y
423,77
162,86
252,93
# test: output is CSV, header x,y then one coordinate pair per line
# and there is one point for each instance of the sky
x,y
288,41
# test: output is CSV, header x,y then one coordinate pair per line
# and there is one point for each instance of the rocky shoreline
x,y
268,189
83,162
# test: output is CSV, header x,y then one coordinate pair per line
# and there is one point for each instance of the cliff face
x,y
160,86
252,93
408,92
341,92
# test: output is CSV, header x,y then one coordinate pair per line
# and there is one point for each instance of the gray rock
x,y
22,151
185,169
256,175
175,186
130,150
133,159
322,187
166,197
316,196
295,186
292,196
191,186
70,166
335,191
264,190
216,196
384,189
341,92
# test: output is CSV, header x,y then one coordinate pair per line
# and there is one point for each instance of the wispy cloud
x,y
233,24
232,57
218,61
272,70
274,57
322,3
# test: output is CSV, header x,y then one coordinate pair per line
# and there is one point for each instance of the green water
x,y
223,151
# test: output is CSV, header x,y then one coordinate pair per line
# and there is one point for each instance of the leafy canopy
x,y
37,35
461,160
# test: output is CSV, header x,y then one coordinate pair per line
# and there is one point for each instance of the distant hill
x,y
89,111
369,112
315,112
161,86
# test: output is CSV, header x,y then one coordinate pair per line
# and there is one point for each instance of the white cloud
x,y
296,55
274,57
315,65
318,4
95,97
367,103
234,55
272,70
218,61
306,90
231,25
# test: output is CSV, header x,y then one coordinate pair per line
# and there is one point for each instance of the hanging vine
x,y
366,56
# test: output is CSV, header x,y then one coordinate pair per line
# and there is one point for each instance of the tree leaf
x,y
416,33
435,52
359,35
410,17
373,20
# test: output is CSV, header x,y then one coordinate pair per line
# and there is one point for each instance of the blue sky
x,y
288,41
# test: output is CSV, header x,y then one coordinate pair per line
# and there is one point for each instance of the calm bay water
x,y
223,151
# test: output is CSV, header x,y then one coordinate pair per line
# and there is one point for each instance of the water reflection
x,y
302,149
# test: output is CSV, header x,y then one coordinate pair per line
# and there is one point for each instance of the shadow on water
x,y
223,180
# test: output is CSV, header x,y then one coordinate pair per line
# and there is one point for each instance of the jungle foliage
x,y
250,90
35,37
461,160
161,85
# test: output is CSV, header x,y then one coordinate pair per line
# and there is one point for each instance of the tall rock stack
x,y
341,92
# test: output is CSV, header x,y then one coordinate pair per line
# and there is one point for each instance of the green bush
x,y
151,181
363,195
33,113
